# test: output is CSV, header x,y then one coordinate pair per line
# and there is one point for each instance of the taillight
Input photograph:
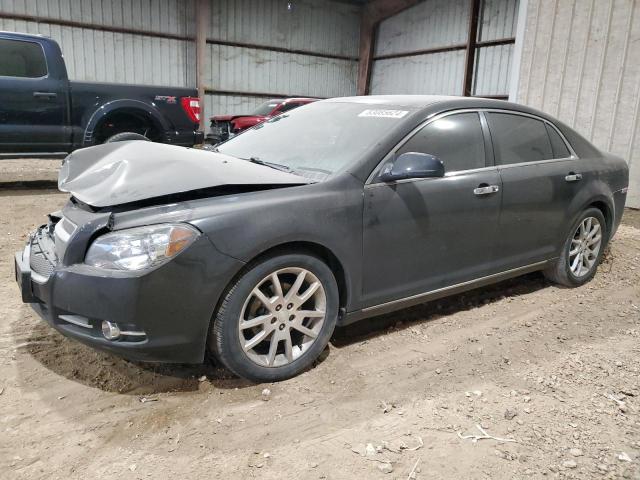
x,y
191,106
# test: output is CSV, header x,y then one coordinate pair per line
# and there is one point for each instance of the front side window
x,y
518,139
456,139
21,59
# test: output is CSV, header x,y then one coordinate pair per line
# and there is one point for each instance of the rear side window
x,y
518,139
558,146
21,59
457,140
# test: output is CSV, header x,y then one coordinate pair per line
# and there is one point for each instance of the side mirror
x,y
412,165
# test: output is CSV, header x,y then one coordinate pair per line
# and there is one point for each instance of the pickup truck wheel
x,y
276,318
121,137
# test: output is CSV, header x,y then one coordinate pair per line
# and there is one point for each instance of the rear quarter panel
x,y
604,177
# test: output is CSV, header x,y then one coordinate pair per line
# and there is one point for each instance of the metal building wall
x,y
581,63
255,48
94,52
399,67
259,49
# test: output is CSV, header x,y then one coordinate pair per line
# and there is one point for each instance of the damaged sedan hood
x,y
125,172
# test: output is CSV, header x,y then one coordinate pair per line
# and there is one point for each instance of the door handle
x,y
45,94
486,190
573,177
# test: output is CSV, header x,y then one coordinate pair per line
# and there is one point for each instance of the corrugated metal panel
x,y
93,55
430,24
498,19
227,104
163,16
260,71
437,73
580,62
324,27
492,70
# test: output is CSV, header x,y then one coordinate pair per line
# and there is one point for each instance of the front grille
x,y
42,258
38,261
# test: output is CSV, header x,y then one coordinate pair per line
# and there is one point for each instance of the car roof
x,y
415,101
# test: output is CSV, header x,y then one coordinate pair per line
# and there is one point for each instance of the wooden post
x,y
467,87
202,20
372,14
366,53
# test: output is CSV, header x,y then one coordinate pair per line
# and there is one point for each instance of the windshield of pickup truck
x,y
265,109
320,138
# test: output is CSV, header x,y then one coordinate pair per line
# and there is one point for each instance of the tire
x,y
247,350
561,271
122,136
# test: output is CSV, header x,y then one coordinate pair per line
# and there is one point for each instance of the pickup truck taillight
x,y
191,106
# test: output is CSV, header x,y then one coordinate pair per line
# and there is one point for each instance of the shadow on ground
x,y
107,372
433,310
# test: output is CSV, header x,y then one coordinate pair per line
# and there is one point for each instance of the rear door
x,y
424,234
540,176
32,103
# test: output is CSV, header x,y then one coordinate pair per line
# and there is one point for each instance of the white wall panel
x,y
581,63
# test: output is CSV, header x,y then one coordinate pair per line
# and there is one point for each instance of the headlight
x,y
140,248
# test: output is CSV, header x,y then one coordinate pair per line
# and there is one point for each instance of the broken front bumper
x,y
164,314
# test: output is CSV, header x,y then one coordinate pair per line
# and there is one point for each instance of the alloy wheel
x,y
585,247
282,317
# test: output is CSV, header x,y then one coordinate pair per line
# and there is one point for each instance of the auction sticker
x,y
383,113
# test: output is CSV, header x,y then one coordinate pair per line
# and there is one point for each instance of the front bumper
x,y
172,305
185,138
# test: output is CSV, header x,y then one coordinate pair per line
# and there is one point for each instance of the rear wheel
x,y
582,250
121,137
277,318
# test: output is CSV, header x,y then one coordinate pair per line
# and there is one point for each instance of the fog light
x,y
110,330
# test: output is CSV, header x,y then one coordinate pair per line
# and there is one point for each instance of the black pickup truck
x,y
42,113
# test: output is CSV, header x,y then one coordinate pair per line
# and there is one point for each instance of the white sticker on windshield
x,y
384,113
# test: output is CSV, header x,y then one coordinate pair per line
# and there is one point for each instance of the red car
x,y
224,127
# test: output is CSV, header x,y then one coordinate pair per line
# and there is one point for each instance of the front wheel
x,y
276,318
582,250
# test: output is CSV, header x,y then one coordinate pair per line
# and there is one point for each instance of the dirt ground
x,y
555,371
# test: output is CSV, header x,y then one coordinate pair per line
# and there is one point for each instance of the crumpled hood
x,y
125,172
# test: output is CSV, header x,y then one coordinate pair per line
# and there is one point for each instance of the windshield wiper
x,y
276,166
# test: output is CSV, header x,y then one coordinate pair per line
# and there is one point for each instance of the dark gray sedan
x,y
334,212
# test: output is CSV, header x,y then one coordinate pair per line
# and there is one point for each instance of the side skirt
x,y
406,302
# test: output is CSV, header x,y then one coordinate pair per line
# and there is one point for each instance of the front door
x,y
424,234
32,103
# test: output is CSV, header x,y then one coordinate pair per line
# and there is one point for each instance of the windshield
x,y
266,108
318,139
